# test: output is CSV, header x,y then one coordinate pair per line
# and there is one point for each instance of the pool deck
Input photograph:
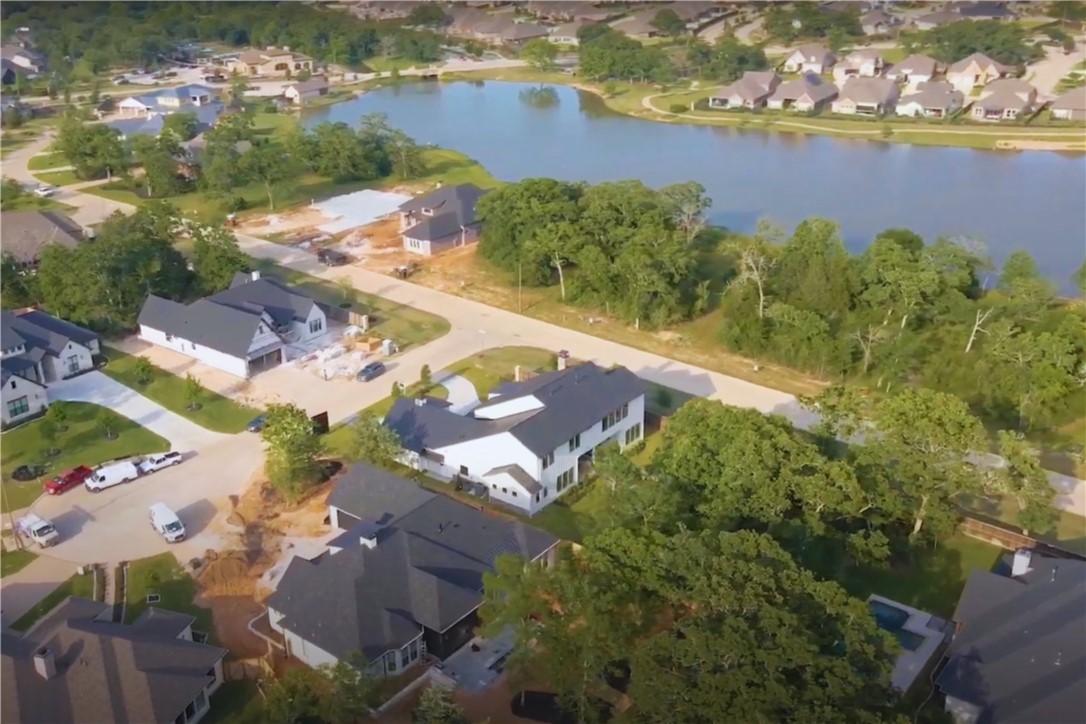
x,y
910,664
473,670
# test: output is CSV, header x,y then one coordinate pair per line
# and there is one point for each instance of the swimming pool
x,y
909,641
892,619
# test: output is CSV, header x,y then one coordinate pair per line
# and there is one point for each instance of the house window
x,y
316,325
633,434
505,490
464,470
190,710
73,363
615,417
201,701
390,662
405,658
565,480
180,718
18,407
213,674
514,493
537,497
494,486
413,650
548,461
546,491
575,442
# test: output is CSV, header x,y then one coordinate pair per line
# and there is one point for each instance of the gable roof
x,y
425,570
806,85
915,64
868,90
278,300
26,233
1020,650
813,53
524,31
984,10
754,85
423,425
981,60
309,85
204,323
1072,100
940,17
452,207
40,331
105,671
935,94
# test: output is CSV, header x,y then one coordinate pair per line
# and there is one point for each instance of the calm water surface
x,y
1033,200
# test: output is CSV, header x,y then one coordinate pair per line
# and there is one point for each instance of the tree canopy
x,y
1004,42
292,449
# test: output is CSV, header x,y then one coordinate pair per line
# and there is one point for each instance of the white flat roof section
x,y
358,209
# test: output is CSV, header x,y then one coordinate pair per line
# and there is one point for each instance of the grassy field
x,y
43,161
486,370
236,702
58,178
15,561
216,412
30,202
82,443
163,575
80,586
406,325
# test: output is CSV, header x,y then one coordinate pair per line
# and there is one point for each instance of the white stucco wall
x,y
503,488
301,329
234,365
304,651
264,337
482,455
496,409
15,387
56,368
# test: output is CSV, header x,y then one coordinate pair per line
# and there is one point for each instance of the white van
x,y
38,530
166,522
113,474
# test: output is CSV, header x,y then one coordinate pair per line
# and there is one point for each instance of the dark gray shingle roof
x,y
105,671
41,331
26,233
450,208
1020,651
280,301
430,426
205,323
426,570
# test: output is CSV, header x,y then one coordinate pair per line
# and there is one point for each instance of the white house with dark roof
x,y
530,441
77,665
38,349
403,581
440,220
307,90
241,330
145,114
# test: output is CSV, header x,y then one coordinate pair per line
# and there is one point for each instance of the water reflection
x,y
541,97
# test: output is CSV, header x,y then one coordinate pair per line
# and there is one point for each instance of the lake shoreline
x,y
639,104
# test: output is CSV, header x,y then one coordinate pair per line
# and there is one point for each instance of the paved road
x,y
95,387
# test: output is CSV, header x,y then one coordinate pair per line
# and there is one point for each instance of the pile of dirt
x,y
226,574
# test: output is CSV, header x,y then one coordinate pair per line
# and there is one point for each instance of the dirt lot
x,y
253,541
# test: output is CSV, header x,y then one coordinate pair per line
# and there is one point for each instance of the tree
x,y
896,281
107,422
407,158
437,706
1004,42
427,14
292,450
1022,478
757,257
161,169
295,697
351,694
540,53
194,390
267,164
182,126
347,292
238,85
47,431
11,193
557,243
668,22
94,150
425,378
1028,294
374,443
340,154
58,413
144,370
688,204
17,287
216,258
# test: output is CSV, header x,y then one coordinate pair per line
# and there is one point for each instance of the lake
x,y
1010,200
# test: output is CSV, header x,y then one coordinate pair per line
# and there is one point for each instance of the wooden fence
x,y
1011,538
254,668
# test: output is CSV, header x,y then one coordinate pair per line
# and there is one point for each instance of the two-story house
x,y
37,349
145,114
77,665
241,330
272,62
403,582
530,441
440,220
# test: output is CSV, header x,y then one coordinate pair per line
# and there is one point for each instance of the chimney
x,y
45,663
369,540
563,359
1021,564
254,275
516,373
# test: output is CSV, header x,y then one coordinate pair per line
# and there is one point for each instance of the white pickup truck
x,y
38,530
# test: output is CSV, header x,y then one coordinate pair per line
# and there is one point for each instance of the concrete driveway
x,y
462,395
99,389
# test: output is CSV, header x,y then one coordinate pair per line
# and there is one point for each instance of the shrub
x,y
678,108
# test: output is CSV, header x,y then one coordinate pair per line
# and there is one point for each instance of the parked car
x,y
166,522
330,257
44,191
38,530
120,79
152,463
68,480
371,371
113,474
257,424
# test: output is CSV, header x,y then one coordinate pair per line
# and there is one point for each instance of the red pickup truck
x,y
67,480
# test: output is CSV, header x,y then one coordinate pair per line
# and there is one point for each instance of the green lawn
x,y
58,178
15,561
216,412
163,575
488,369
80,586
30,202
406,325
236,702
385,63
574,521
81,444
42,161
932,581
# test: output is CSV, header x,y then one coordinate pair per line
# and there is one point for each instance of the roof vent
x,y
45,663
368,539
1021,564
254,275
420,402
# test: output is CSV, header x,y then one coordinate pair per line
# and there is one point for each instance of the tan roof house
x,y
639,26
866,97
914,69
272,62
976,69
566,33
937,19
932,99
464,20
877,22
520,33
1005,100
805,94
492,28
750,91
810,58
25,233
866,63
1071,106
307,90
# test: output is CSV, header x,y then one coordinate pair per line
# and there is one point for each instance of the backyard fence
x,y
254,668
348,316
1011,538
